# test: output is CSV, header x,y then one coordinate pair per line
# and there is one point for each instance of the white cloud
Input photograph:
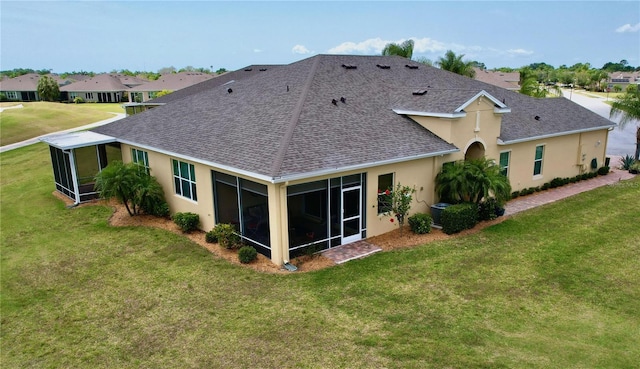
x,y
372,45
300,49
628,28
519,52
257,50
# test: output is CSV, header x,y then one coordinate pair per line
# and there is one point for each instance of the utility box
x,y
436,212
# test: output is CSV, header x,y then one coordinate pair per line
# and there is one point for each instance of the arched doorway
x,y
474,151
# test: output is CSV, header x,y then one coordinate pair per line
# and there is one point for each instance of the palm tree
x,y
118,180
472,181
628,107
404,49
453,63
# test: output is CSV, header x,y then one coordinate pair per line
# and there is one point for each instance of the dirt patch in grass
x,y
388,241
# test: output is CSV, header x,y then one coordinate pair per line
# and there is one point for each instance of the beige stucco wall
x,y
161,167
564,156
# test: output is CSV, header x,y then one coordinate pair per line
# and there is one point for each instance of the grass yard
x,y
556,287
38,118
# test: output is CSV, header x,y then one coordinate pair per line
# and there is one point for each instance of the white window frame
x,y
184,177
536,160
506,167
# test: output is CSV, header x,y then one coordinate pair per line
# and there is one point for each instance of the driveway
x,y
621,141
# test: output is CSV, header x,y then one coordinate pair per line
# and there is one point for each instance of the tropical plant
x,y
472,181
627,161
404,49
133,186
627,107
454,63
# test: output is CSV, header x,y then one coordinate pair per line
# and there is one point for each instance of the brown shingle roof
x,y
102,82
173,81
285,123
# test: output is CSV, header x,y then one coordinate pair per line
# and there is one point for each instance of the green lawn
x,y
38,118
556,287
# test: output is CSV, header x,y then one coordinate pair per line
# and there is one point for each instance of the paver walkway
x,y
360,249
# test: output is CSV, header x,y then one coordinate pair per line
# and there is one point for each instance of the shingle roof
x,y
102,82
508,80
173,81
25,82
284,123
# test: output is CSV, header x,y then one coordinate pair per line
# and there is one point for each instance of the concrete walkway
x,y
31,141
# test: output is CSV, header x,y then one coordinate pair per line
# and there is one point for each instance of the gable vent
x,y
383,66
411,66
420,92
349,66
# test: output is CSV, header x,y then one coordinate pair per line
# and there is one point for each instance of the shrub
x,y
211,237
556,182
247,254
603,171
226,235
635,168
515,194
487,209
584,176
546,186
187,221
420,223
78,100
456,218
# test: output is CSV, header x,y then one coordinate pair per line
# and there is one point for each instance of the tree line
x,y
152,76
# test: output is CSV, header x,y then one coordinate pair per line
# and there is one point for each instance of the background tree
x,y
454,63
48,89
404,49
163,92
628,107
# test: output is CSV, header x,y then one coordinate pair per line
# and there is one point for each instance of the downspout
x,y
74,177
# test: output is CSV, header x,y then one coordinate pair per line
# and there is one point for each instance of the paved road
x,y
31,141
621,141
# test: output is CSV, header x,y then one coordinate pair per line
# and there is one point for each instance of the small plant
x,y
515,194
226,235
211,237
627,161
187,221
78,100
401,203
247,254
420,223
603,171
487,209
635,168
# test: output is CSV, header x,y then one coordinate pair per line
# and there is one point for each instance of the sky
x,y
102,36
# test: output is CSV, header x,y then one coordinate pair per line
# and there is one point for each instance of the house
x,y
170,82
101,88
623,79
508,80
25,87
296,157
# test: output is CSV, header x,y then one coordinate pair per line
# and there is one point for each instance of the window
x,y
385,186
184,178
537,163
140,157
504,163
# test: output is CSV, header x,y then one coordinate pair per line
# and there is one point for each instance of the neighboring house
x,y
623,79
170,82
21,88
25,87
297,157
135,108
510,81
101,88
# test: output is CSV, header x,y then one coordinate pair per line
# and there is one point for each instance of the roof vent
x,y
537,117
248,69
383,66
420,92
349,66
263,69
344,101
411,66
334,102
229,90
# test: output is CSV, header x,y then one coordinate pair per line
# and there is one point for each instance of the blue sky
x,y
101,36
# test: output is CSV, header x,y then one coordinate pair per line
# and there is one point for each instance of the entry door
x,y
351,214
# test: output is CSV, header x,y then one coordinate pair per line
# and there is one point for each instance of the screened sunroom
x,y
76,158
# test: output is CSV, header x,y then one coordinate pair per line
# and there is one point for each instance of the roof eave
x,y
454,115
559,134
